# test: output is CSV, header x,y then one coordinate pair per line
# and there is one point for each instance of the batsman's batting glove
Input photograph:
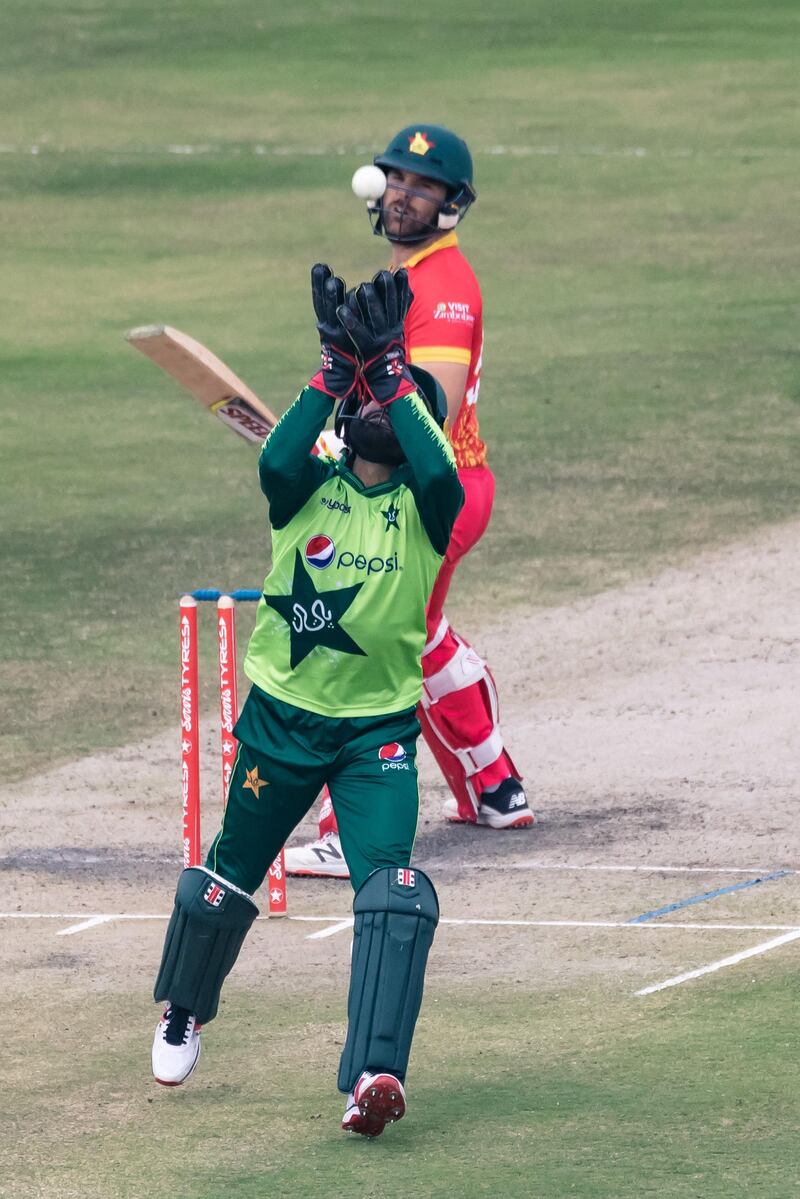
x,y
373,316
339,366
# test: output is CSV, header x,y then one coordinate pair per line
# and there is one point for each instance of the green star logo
x,y
390,515
313,616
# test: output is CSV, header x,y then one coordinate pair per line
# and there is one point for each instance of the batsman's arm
x,y
435,484
288,471
452,376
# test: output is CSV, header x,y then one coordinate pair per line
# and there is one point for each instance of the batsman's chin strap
x,y
451,211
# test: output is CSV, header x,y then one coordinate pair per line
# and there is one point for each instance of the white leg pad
x,y
479,756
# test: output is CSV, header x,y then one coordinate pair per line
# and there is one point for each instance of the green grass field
x,y
571,1094
635,236
640,384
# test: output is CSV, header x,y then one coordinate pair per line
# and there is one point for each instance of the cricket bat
x,y
207,378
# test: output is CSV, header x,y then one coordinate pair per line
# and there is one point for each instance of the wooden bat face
x,y
207,378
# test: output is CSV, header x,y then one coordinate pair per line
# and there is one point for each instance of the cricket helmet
x,y
435,153
373,438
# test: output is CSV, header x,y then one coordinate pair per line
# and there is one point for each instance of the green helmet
x,y
436,153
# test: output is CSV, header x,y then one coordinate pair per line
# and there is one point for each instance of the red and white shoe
x,y
176,1047
505,807
377,1100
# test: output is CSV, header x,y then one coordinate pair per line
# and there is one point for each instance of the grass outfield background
x,y
551,1095
635,239
536,1071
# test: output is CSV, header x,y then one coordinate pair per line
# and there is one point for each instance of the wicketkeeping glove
x,y
339,368
373,316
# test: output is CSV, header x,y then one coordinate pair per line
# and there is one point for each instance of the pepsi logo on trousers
x,y
393,757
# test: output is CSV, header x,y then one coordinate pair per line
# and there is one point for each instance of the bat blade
x,y
207,378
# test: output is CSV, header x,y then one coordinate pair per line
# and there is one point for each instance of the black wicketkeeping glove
x,y
373,316
339,366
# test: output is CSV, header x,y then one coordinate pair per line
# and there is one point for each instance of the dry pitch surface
x,y
656,726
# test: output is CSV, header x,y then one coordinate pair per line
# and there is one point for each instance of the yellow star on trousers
x,y
254,783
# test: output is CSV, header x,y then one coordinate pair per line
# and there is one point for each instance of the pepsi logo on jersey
x,y
320,552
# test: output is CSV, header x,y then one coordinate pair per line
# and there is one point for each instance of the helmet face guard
x,y
449,213
434,153
372,437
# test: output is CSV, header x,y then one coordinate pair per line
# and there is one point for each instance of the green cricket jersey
x,y
341,624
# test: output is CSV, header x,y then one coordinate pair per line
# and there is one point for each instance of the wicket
x,y
229,710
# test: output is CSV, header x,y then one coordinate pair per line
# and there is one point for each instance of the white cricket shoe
x,y
322,858
376,1100
176,1047
505,807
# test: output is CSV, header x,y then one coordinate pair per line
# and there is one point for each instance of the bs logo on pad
x,y
393,757
320,551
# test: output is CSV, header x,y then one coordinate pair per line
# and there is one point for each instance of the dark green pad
x,y
396,913
209,922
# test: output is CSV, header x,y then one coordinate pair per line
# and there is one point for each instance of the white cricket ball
x,y
369,183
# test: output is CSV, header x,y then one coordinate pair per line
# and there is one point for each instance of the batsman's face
x,y
411,203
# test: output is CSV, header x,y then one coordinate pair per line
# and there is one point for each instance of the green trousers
x,y
286,755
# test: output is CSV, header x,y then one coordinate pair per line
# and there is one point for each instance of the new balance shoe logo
x,y
328,850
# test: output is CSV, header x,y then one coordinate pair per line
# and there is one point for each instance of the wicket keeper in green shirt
x,y
334,660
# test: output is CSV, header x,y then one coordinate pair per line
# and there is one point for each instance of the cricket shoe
x,y
377,1100
176,1047
323,858
505,807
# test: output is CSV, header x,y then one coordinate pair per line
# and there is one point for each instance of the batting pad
x,y
396,913
209,922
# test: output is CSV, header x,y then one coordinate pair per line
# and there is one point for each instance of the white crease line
x,y
109,917
749,928
722,963
533,864
82,916
330,932
78,928
120,916
342,925
339,923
